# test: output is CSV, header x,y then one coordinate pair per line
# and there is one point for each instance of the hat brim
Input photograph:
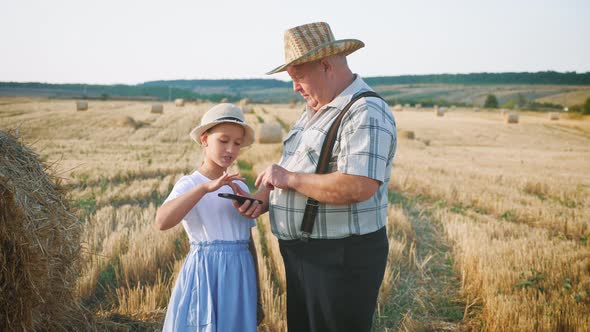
x,y
337,47
199,130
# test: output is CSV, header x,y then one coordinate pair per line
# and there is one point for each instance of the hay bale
x,y
511,118
398,108
553,116
408,134
126,121
40,238
476,109
179,102
407,105
224,100
245,101
81,105
440,111
247,109
157,109
418,106
269,133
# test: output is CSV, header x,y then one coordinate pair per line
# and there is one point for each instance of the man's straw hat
x,y
314,41
223,113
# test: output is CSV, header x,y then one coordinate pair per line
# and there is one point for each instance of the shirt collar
x,y
346,95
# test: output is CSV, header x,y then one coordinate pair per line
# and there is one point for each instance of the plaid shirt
x,y
365,146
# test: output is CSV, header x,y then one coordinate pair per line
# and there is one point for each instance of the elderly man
x,y
333,277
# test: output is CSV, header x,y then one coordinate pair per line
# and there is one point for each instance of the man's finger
x,y
259,179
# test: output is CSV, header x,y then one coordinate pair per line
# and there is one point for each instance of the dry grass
x,y
518,192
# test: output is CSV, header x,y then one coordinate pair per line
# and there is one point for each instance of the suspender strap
x,y
312,205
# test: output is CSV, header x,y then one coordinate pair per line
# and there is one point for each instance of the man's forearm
x,y
334,188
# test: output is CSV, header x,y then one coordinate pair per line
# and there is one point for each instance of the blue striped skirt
x,y
215,289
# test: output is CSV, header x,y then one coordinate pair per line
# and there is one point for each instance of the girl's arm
x,y
172,212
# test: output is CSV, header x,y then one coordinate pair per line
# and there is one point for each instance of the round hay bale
x,y
476,109
245,101
40,254
81,105
157,108
247,109
418,106
126,121
398,108
407,106
440,111
270,133
553,116
224,100
179,102
408,134
511,118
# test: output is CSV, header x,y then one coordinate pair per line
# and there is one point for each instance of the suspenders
x,y
311,206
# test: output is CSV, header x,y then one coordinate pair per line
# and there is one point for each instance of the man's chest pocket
x,y
311,148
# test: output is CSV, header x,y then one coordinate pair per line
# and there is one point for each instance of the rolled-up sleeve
x,y
367,141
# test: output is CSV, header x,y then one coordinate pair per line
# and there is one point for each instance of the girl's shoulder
x,y
190,180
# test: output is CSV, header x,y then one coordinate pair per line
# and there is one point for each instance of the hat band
x,y
230,118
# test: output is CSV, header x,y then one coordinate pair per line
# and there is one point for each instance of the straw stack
x,y
81,105
270,133
553,116
157,108
179,102
40,253
511,118
440,111
407,134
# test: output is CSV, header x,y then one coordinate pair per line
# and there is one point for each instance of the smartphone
x,y
239,199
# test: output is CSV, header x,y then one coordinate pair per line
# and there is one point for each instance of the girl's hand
x,y
224,180
249,209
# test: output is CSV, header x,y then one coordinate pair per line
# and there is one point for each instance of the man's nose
x,y
296,87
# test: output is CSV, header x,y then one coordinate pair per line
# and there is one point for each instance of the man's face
x,y
310,81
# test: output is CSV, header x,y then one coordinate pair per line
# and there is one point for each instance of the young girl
x,y
216,289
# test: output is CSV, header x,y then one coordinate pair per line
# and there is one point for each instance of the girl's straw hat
x,y
314,41
220,114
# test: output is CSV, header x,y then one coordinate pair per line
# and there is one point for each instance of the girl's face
x,y
222,143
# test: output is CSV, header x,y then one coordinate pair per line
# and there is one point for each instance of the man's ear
x,y
204,139
325,64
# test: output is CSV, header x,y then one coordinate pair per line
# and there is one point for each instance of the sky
x,y
130,42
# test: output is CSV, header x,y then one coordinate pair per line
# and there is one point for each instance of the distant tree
x,y
586,106
491,102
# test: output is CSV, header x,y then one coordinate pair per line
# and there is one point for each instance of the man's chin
x,y
312,105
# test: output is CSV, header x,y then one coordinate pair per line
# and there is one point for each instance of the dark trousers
x,y
332,285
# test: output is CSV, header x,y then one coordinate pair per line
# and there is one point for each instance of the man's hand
x,y
274,176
